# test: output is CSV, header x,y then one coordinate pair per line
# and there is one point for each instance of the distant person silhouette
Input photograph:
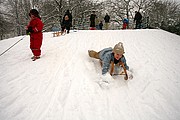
x,y
138,20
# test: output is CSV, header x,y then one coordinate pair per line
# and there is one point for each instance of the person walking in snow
x,y
92,21
138,19
34,28
66,22
106,19
111,57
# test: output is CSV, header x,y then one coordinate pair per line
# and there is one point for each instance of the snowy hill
x,y
63,84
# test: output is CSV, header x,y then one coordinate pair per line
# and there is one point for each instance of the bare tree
x,y
119,9
5,27
14,14
82,9
5,23
164,13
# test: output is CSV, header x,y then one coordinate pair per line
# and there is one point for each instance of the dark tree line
x,y
14,13
159,14
163,14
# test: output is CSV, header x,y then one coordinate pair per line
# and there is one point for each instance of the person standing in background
x,y
125,23
100,25
66,22
107,20
138,20
92,21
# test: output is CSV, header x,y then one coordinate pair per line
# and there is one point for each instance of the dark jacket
x,y
92,20
100,25
107,18
67,22
138,17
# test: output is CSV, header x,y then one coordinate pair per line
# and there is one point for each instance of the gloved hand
x,y
106,77
27,32
30,29
130,75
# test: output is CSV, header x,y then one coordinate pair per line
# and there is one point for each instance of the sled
x,y
123,73
56,34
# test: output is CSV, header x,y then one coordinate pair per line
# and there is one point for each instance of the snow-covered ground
x,y
64,83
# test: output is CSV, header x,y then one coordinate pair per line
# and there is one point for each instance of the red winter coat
x,y
36,36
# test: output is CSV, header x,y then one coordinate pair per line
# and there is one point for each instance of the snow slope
x,y
63,84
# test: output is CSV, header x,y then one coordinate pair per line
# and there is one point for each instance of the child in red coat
x,y
125,23
35,28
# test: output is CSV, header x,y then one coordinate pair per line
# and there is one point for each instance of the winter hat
x,y
35,13
118,48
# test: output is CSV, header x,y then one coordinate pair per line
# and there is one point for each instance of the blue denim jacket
x,y
106,56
